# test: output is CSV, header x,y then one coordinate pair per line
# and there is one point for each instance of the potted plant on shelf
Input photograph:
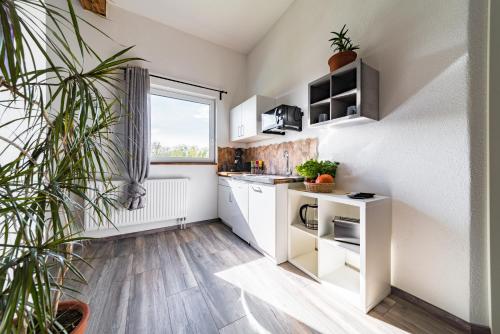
x,y
319,175
345,49
56,146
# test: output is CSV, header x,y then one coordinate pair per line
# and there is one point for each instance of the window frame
x,y
190,97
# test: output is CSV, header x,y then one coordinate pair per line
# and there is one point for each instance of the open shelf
x,y
349,247
308,263
345,280
319,90
358,273
319,103
347,94
335,93
302,228
344,79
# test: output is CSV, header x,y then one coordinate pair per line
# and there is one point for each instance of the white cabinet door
x,y
225,202
249,118
245,119
262,216
235,123
240,212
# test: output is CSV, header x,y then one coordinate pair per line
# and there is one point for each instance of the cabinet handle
x,y
242,130
257,190
239,130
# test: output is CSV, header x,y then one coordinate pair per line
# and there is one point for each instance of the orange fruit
x,y
324,178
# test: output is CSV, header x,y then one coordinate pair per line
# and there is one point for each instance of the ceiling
x,y
235,24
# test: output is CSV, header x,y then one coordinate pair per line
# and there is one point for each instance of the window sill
x,y
183,163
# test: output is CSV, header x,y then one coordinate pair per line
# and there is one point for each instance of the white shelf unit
x,y
359,274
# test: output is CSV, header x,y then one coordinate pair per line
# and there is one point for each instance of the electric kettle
x,y
309,216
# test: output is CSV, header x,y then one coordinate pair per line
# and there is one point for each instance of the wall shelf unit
x,y
359,274
354,85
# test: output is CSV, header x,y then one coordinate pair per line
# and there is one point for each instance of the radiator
x,y
166,199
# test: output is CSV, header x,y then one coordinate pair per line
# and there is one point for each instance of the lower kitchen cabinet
x,y
257,214
224,203
240,214
262,216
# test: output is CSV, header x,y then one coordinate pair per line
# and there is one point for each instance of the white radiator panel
x,y
166,199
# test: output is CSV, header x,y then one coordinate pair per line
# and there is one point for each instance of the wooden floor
x,y
206,280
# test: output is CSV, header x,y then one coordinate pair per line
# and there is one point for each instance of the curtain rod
x,y
187,83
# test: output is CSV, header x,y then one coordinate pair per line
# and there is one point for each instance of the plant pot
x,y
83,308
341,59
319,187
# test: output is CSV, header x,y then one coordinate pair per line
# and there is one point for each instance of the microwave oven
x,y
283,117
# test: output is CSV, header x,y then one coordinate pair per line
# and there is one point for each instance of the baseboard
x,y
480,329
441,314
153,230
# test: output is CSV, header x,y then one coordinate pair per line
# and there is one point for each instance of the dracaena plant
x,y
341,42
56,147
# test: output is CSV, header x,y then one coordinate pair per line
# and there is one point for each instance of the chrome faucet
x,y
288,171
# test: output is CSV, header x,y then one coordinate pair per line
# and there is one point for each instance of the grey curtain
x,y
138,129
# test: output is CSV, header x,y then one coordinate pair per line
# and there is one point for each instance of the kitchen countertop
x,y
263,178
230,173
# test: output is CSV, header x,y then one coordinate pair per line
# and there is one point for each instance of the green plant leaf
x,y
341,42
65,154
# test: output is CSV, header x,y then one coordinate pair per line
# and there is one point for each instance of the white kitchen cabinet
x,y
257,214
262,216
235,121
239,215
245,119
225,203
233,206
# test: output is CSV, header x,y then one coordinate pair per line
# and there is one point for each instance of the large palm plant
x,y
56,144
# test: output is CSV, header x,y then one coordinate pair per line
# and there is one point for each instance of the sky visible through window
x,y
179,128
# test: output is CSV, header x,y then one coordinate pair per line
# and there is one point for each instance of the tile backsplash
x,y
274,161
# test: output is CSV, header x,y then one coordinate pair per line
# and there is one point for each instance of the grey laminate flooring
x,y
206,280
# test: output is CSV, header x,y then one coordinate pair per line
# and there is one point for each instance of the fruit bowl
x,y
319,187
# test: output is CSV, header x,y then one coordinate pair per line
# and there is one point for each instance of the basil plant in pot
x,y
56,146
344,47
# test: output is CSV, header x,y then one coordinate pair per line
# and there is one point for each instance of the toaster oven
x,y
346,229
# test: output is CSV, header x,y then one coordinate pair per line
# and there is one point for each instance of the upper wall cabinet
x,y
245,119
351,92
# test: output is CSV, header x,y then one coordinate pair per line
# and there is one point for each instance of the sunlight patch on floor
x,y
299,298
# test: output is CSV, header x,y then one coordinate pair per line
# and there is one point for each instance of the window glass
x,y
182,127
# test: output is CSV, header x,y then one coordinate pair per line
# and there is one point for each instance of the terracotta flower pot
x,y
341,59
82,308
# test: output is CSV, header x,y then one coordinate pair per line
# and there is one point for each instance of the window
x,y
182,127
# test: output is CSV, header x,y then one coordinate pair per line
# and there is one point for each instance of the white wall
x,y
420,151
494,139
175,54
